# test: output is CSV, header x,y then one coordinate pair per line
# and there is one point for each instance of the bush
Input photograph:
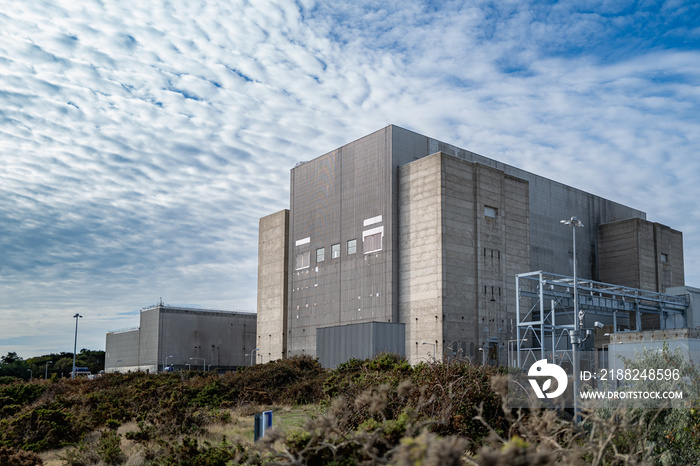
x,y
10,457
109,448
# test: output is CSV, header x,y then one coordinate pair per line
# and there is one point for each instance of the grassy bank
x,y
381,411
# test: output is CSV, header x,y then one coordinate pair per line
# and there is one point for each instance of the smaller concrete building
x,y
185,338
632,344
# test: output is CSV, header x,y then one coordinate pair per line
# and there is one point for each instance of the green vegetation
x,y
380,411
53,365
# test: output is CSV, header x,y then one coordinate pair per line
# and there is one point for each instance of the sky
x,y
140,142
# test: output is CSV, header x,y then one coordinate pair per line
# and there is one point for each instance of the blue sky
x,y
141,142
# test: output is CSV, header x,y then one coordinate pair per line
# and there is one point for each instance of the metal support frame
x,y
545,312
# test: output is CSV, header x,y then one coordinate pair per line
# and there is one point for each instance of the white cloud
x,y
139,144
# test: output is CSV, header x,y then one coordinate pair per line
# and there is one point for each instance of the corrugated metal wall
x,y
338,344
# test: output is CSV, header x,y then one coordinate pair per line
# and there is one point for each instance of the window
x,y
373,243
320,254
302,261
335,251
490,212
352,246
664,258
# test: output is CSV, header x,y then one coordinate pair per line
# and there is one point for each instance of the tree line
x,y
60,364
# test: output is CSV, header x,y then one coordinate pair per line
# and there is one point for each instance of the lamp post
x,y
251,355
575,334
510,359
204,363
75,343
31,374
166,362
433,345
46,370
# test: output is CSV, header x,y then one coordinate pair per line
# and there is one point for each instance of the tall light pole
x,y
31,374
576,332
512,360
46,371
204,363
251,355
75,343
166,362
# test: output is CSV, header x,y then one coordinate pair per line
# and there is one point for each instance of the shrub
x,y
109,448
10,457
191,452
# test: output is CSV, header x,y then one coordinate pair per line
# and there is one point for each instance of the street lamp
x,y
31,374
75,343
575,334
204,363
46,371
251,356
166,362
511,360
433,345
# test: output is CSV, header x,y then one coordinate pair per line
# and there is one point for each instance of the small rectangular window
x,y
320,254
664,258
302,260
490,212
373,243
335,251
352,246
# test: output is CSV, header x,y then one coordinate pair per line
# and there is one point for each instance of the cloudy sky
x,y
140,142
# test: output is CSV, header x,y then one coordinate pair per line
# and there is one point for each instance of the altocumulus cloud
x,y
139,145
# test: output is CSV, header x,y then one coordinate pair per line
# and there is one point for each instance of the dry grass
x,y
238,429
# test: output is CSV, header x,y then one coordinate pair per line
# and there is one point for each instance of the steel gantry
x,y
545,312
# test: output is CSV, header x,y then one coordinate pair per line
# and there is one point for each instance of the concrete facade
x,y
188,338
641,254
273,264
398,227
454,241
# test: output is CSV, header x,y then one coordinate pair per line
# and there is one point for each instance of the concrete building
x,y
403,229
183,337
632,344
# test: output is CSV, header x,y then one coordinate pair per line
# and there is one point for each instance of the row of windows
x,y
372,243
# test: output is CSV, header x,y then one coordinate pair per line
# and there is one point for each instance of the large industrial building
x,y
399,228
182,338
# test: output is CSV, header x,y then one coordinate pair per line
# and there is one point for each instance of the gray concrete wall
x,y
122,351
551,245
213,338
334,195
462,260
486,317
420,257
336,198
217,338
641,254
273,264
149,335
668,242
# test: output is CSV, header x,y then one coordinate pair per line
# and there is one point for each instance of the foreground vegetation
x,y
381,411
